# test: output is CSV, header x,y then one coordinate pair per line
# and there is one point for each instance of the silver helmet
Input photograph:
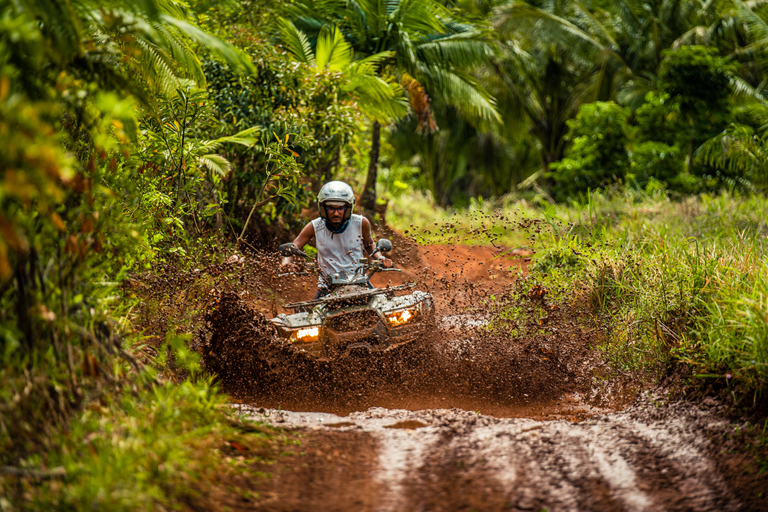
x,y
336,192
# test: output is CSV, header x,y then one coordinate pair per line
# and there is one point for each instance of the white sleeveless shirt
x,y
339,251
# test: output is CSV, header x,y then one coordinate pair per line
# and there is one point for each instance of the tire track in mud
x,y
640,459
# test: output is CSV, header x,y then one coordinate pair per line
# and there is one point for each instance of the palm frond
x,y
744,89
557,28
377,60
244,138
421,16
158,67
62,22
333,51
234,57
461,49
378,99
461,91
736,149
215,163
296,41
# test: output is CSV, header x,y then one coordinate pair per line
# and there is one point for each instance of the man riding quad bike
x,y
348,315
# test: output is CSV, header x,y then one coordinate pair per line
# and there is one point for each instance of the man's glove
x,y
290,249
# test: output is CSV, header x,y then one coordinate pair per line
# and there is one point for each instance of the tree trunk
x,y
368,201
690,146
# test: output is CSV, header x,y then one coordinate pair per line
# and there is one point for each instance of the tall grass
x,y
671,281
147,448
692,284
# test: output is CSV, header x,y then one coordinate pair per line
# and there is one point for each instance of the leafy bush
x,y
659,119
598,156
144,449
651,161
285,99
700,82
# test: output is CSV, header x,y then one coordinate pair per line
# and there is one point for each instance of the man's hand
x,y
386,262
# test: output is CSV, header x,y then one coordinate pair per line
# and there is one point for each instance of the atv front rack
x,y
360,295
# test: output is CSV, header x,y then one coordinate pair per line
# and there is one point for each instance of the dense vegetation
x,y
136,134
672,284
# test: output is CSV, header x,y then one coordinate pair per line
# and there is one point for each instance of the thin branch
x,y
58,472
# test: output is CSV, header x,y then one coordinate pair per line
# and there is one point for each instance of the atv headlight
x,y
307,334
402,317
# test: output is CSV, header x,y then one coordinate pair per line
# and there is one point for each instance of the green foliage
x,y
421,39
74,79
458,162
697,78
296,104
598,156
378,99
422,45
740,153
654,161
180,174
659,119
145,450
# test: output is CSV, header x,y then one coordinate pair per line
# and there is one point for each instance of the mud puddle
x,y
647,457
571,407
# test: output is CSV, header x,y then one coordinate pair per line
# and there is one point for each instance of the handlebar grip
x,y
289,249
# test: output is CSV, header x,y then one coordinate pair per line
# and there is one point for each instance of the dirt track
x,y
478,421
652,456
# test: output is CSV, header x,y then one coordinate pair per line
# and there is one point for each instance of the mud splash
x,y
502,345
470,362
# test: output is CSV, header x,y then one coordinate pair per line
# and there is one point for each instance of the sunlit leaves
x,y
419,38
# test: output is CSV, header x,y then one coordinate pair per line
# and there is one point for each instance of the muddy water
x,y
462,365
653,455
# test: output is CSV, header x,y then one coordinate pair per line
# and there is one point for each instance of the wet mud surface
x,y
646,457
538,363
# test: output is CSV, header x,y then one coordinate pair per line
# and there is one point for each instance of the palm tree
x,y
418,43
378,99
124,45
645,29
553,58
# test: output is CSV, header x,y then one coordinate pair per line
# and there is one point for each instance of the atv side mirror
x,y
383,245
290,249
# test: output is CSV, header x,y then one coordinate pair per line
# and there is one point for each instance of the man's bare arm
x,y
303,239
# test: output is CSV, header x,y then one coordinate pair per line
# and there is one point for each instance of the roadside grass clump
x,y
669,282
682,282
730,340
154,447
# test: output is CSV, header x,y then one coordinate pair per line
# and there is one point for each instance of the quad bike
x,y
355,319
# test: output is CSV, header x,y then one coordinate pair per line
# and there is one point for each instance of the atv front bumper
x,y
379,326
